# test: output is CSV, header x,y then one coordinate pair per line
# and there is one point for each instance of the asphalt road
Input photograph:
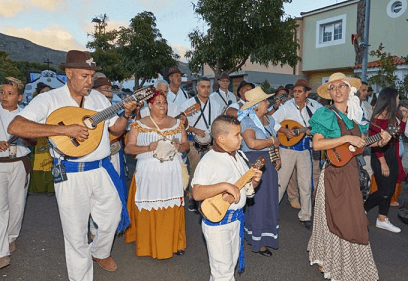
x,y
40,251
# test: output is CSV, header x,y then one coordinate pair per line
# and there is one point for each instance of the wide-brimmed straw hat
x,y
323,90
254,96
81,60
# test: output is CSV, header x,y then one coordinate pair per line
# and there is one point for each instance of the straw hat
x,y
323,89
254,96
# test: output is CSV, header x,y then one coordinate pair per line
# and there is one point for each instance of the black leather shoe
x,y
266,253
180,252
307,224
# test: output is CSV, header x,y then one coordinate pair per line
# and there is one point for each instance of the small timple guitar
x,y
342,154
91,119
215,208
298,129
190,110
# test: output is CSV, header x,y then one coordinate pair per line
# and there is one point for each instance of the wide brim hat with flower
x,y
323,90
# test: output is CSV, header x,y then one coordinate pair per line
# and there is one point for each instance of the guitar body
x,y
341,155
290,124
214,208
70,115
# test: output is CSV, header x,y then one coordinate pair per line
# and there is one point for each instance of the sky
x,y
64,24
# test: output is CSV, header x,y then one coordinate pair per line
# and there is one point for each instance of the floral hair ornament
x,y
155,95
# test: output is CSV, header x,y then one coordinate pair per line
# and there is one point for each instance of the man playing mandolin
x,y
299,109
90,183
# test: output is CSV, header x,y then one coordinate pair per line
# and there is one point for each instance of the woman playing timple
x,y
339,242
156,204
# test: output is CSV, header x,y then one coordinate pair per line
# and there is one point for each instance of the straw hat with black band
x,y
354,111
254,96
323,90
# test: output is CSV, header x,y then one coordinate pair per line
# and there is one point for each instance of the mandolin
x,y
215,208
342,154
91,119
298,129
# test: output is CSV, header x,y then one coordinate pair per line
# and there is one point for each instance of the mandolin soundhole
x,y
88,122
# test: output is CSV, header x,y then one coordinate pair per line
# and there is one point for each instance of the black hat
x,y
79,59
223,75
242,84
102,81
282,88
289,87
174,69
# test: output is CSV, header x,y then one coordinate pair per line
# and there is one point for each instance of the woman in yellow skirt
x,y
155,204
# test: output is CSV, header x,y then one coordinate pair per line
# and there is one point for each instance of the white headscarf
x,y
354,110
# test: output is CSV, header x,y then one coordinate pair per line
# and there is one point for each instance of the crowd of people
x,y
201,149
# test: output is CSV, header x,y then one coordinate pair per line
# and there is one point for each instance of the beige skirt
x,y
339,259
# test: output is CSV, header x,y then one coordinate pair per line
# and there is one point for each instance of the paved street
x,y
40,251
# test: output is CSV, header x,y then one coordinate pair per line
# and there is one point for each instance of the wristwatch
x,y
126,117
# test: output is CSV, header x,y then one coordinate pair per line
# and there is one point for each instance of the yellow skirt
x,y
156,233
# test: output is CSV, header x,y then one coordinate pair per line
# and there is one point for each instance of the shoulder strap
x,y
186,96
244,158
218,91
202,113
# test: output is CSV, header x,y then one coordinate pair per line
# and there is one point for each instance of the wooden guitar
x,y
215,208
190,110
91,119
298,129
342,154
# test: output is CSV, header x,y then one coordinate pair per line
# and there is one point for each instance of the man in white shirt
x,y
15,169
299,109
176,94
222,96
92,186
200,125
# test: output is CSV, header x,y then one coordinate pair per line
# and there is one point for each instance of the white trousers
x,y
13,192
302,161
223,249
83,194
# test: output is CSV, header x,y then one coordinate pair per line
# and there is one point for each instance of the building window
x,y
396,8
331,31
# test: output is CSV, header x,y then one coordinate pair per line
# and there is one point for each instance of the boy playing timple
x,y
217,171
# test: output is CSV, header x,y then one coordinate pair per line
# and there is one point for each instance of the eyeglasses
x,y
224,81
340,87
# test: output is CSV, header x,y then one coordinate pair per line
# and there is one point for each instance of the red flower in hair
x,y
156,94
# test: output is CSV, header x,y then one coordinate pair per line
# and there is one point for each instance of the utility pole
x,y
365,44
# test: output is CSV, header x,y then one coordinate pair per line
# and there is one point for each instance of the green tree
x,y
239,30
106,53
143,51
7,66
386,74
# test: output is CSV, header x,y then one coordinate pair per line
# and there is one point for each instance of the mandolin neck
x,y
112,110
244,179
